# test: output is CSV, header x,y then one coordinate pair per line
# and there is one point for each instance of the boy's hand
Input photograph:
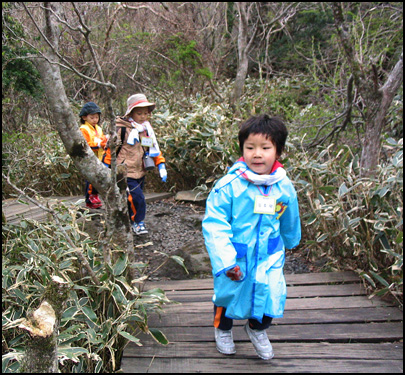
x,y
162,171
235,273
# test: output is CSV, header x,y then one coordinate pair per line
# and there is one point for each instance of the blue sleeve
x,y
290,223
217,230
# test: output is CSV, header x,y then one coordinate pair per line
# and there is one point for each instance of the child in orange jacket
x,y
92,132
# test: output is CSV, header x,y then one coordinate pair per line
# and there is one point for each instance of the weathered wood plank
x,y
15,210
247,365
356,315
290,350
369,332
292,292
291,279
291,304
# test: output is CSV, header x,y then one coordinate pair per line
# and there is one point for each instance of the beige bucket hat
x,y
138,100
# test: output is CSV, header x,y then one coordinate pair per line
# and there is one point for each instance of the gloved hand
x,y
104,140
97,141
162,171
235,273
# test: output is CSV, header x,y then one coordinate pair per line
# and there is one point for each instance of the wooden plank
x,y
302,350
291,304
15,210
291,279
246,365
370,332
292,292
356,315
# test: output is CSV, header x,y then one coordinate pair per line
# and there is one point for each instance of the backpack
x,y
123,131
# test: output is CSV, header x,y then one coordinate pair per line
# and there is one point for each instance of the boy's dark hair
x,y
272,127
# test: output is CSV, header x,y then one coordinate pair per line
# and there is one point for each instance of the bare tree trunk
x,y
243,61
372,141
246,37
41,352
377,99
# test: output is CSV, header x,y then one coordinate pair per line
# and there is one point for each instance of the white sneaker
x,y
139,228
261,342
224,340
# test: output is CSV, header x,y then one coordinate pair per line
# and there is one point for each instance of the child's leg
x,y
255,324
138,199
257,334
223,331
220,320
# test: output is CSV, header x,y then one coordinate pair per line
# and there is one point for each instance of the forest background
x,y
331,71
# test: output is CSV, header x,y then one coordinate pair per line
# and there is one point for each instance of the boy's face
x,y
140,114
92,119
259,153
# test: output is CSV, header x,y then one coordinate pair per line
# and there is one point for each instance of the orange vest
x,y
89,133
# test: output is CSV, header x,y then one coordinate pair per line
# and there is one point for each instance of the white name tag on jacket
x,y
265,205
147,142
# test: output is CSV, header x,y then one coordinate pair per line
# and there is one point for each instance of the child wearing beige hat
x,y
139,148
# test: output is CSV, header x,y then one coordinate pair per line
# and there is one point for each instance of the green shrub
x,y
355,221
198,146
37,159
97,321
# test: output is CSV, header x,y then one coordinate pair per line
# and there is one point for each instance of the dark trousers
x,y
89,189
136,199
225,324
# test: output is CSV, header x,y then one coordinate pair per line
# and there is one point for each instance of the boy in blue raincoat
x,y
251,217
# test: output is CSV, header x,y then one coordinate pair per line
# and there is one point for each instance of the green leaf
x,y
89,313
327,189
311,219
121,264
383,191
104,277
130,337
69,313
322,237
71,352
158,336
342,190
400,237
368,278
119,296
180,261
380,279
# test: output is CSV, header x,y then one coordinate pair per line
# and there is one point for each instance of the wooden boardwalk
x,y
329,325
14,210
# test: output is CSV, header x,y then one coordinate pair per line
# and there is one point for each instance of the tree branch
x,y
55,51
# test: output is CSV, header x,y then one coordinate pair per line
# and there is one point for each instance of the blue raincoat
x,y
235,235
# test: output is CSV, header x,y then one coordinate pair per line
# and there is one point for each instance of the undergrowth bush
x,y
37,160
198,146
354,221
98,320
